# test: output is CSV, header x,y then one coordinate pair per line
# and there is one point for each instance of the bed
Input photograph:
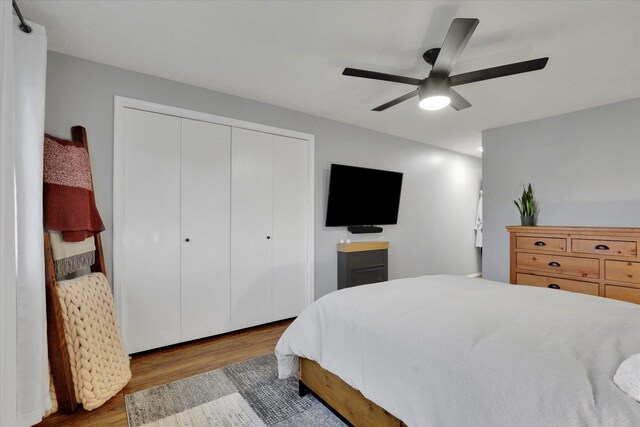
x,y
455,351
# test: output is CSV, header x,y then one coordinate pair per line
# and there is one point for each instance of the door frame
x,y
120,104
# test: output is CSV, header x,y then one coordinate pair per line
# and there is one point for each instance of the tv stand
x,y
362,229
361,263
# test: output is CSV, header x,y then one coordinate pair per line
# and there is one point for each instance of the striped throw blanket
x,y
69,202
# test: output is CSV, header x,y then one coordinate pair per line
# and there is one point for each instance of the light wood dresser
x,y
598,261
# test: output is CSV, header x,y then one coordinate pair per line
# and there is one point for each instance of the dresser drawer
x,y
558,264
622,271
556,244
604,247
622,293
556,283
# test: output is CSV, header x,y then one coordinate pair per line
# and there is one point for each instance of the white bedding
x,y
456,351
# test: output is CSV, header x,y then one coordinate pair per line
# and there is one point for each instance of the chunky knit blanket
x,y
99,362
69,202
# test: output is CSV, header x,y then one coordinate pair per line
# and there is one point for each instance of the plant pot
x,y
527,220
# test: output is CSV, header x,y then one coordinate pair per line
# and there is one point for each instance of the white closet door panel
x,y
205,222
290,227
251,228
151,272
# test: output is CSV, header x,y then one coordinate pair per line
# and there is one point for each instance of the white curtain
x,y
22,93
7,226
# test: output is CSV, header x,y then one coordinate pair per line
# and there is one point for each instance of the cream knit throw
x,y
52,393
99,363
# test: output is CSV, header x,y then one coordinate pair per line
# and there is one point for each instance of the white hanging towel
x,y
478,226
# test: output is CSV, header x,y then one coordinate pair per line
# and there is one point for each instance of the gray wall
x,y
437,213
583,167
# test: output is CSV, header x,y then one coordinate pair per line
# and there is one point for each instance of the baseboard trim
x,y
475,275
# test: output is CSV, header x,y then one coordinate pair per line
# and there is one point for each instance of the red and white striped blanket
x,y
69,202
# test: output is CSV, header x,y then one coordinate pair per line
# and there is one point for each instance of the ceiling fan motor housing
x,y
434,86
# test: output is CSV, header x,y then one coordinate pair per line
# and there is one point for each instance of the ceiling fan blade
x,y
457,101
454,43
396,101
501,71
380,76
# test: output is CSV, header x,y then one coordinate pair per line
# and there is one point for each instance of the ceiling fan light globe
x,y
436,102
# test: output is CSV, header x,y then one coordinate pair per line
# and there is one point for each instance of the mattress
x,y
456,351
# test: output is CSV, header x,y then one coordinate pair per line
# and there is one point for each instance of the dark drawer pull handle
x,y
553,286
540,244
554,264
602,247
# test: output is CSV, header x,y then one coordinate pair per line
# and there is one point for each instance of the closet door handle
x,y
268,237
187,240
540,244
553,286
602,247
554,264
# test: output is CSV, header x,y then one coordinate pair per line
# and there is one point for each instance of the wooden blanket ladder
x,y
58,353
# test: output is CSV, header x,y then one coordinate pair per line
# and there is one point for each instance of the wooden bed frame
x,y
344,400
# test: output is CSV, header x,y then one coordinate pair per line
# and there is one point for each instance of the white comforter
x,y
455,351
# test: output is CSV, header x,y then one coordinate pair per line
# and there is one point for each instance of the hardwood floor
x,y
168,364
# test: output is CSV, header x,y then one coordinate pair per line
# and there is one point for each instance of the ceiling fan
x,y
435,92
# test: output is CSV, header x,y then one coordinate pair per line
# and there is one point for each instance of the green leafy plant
x,y
526,204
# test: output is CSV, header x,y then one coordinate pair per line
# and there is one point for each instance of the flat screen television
x,y
362,196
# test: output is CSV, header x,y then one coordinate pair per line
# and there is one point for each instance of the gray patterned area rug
x,y
241,395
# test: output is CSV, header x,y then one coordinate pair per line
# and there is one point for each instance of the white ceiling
x,y
291,54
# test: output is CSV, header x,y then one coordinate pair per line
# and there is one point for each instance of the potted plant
x,y
526,206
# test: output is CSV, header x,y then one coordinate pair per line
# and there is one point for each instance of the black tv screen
x,y
361,196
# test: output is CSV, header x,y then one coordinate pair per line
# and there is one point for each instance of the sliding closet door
x,y
251,228
290,227
205,224
151,236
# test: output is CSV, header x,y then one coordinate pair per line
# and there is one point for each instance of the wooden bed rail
x,y
348,402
